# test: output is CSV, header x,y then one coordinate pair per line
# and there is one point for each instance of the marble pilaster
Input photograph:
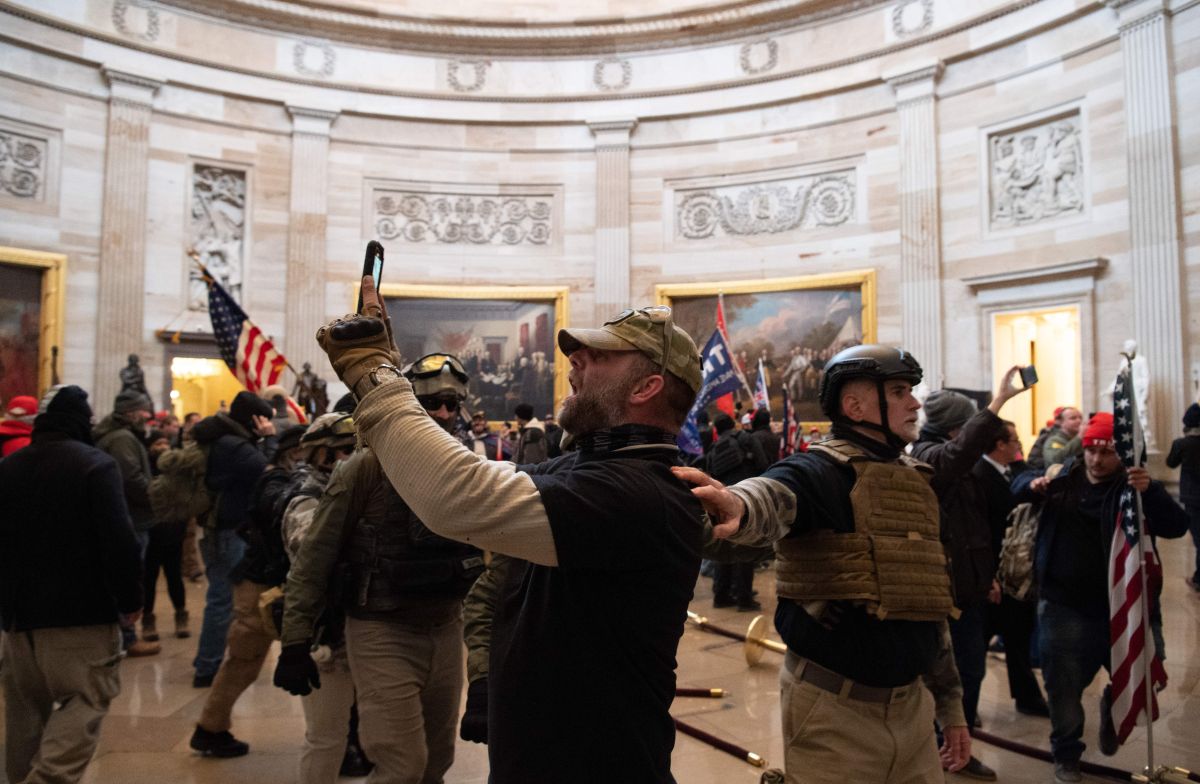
x,y
920,219
306,271
612,216
1154,216
121,282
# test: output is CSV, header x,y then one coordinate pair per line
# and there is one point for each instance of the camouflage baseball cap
x,y
645,330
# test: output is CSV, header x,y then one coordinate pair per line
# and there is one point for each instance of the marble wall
x,y
974,155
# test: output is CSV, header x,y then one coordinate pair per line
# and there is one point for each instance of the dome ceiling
x,y
522,27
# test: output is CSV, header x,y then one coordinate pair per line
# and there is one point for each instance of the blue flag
x,y
720,378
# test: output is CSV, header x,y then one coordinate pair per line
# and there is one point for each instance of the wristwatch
x,y
384,374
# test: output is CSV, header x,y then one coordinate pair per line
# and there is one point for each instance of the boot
x,y
143,648
181,624
149,630
218,744
355,763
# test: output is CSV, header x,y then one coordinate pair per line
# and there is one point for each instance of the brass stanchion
x,y
755,638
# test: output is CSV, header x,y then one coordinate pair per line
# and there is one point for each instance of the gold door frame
x,y
864,279
560,295
53,294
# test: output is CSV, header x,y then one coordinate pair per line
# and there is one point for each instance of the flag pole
x,y
1147,635
209,279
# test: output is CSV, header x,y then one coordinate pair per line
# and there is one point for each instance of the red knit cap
x,y
1099,430
21,406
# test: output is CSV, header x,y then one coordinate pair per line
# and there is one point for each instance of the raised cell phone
x,y
1029,376
373,266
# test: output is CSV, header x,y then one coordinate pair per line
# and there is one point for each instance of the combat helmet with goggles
x,y
872,362
438,380
334,430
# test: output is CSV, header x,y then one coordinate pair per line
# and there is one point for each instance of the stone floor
x,y
145,736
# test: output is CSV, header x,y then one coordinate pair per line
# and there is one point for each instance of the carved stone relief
x,y
759,56
460,218
1036,172
136,20
766,207
912,17
612,74
467,76
218,230
23,165
311,58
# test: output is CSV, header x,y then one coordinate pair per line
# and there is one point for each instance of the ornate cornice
x,y
720,21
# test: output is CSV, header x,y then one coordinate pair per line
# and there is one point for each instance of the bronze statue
x,y
133,378
310,393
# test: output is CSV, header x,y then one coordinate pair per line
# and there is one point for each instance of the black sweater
x,y
68,556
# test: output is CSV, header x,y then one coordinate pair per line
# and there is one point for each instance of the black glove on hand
x,y
296,672
474,720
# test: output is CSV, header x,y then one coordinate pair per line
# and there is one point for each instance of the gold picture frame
x,y
557,296
836,292
53,303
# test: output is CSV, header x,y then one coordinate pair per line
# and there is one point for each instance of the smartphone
x,y
373,266
1029,376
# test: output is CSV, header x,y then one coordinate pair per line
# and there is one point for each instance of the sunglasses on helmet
x,y
432,365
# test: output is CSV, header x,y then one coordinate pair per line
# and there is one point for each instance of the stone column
x,y
612,216
119,329
920,218
306,272
1153,208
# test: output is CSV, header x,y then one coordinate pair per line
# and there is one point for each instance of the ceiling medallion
x,y
759,56
612,74
467,76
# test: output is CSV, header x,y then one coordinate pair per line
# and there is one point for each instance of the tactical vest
x,y
893,563
394,564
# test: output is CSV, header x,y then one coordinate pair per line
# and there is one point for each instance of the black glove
x,y
296,672
474,720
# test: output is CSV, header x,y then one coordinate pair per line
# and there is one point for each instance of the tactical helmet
x,y
332,430
871,361
436,373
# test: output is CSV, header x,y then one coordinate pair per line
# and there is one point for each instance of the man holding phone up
x,y
607,531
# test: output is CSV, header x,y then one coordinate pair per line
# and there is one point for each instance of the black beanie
x,y
131,400
524,411
1191,417
723,423
946,410
248,405
65,410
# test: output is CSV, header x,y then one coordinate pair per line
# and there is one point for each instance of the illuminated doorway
x,y
202,385
1049,339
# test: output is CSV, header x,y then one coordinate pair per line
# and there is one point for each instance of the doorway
x,y
1048,338
202,385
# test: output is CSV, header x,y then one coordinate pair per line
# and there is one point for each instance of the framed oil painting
x,y
793,324
31,314
504,335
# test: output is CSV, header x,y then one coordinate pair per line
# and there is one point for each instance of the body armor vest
x,y
893,563
394,564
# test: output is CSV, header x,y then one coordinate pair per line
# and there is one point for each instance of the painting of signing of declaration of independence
x,y
507,347
20,317
794,331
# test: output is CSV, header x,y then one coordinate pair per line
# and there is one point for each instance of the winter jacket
x,y
14,434
120,437
68,556
769,441
531,445
235,463
1163,516
1185,455
265,562
965,524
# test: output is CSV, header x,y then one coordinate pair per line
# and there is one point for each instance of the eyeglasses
x,y
432,365
434,402
658,314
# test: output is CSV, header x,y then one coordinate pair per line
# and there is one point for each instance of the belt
x,y
825,679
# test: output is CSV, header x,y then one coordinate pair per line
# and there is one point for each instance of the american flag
x,y
250,354
787,441
1132,552
762,399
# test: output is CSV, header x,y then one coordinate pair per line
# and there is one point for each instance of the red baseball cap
x,y
1099,430
21,406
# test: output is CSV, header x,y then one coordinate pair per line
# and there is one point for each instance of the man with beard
x,y
607,532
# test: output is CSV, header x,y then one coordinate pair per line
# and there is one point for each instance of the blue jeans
x,y
221,551
1073,648
129,633
970,655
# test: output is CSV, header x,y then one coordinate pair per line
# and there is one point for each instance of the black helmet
x,y
870,361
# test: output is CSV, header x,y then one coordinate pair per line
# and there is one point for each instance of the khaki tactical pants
x,y
409,682
248,645
326,721
832,739
58,684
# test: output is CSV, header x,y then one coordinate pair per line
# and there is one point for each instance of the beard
x,y
597,407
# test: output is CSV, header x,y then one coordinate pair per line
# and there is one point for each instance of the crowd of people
x,y
384,538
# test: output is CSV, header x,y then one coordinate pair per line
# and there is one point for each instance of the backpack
x,y
178,493
1015,572
731,457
